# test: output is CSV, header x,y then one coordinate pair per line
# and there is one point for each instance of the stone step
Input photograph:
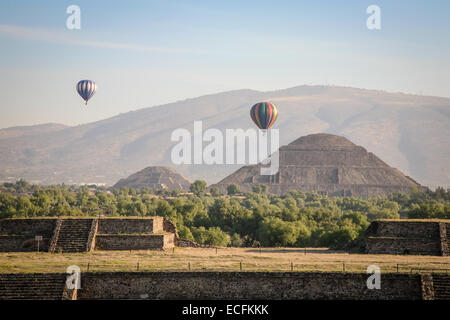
x,y
73,235
31,297
29,289
70,232
31,292
30,279
32,286
441,284
29,282
75,227
55,291
73,243
54,297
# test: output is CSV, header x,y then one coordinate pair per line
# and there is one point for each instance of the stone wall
x,y
407,237
246,285
130,225
28,227
225,285
186,243
169,226
397,245
406,228
22,244
134,242
18,234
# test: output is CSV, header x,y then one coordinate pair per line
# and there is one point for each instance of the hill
x,y
407,131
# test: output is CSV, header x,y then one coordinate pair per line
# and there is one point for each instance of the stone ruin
x,y
327,164
409,236
87,234
223,286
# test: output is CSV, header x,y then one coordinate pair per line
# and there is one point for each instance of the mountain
x,y
328,164
408,132
155,178
23,131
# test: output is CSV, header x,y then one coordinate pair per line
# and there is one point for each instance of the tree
x,y
339,236
215,191
276,232
198,188
24,207
211,236
260,188
22,185
7,205
236,240
185,233
233,189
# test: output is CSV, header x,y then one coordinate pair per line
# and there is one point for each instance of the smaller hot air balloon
x,y
86,89
264,114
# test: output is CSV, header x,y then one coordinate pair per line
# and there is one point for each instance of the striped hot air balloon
x,y
264,114
86,89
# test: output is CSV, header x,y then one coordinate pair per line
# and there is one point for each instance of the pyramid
x,y
327,164
155,178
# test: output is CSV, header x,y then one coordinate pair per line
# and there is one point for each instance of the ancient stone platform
x,y
408,236
87,234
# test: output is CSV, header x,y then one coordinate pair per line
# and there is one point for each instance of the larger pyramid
x,y
327,164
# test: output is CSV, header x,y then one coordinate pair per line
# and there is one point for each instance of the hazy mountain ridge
x,y
20,131
408,132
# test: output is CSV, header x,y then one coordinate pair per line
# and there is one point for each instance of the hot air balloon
x,y
264,114
86,89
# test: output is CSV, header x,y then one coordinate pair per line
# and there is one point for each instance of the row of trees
x,y
250,219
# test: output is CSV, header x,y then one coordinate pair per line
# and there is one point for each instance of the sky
x,y
147,53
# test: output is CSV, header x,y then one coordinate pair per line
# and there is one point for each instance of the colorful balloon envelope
x,y
86,89
264,114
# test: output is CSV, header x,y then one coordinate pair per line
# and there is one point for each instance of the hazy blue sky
x,y
145,53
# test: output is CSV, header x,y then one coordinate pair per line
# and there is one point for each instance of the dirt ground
x,y
222,259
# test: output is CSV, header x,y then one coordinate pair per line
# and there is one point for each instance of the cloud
x,y
48,35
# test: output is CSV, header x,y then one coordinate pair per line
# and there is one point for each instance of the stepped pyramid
x,y
155,178
328,164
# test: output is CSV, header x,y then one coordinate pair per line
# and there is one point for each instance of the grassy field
x,y
225,259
